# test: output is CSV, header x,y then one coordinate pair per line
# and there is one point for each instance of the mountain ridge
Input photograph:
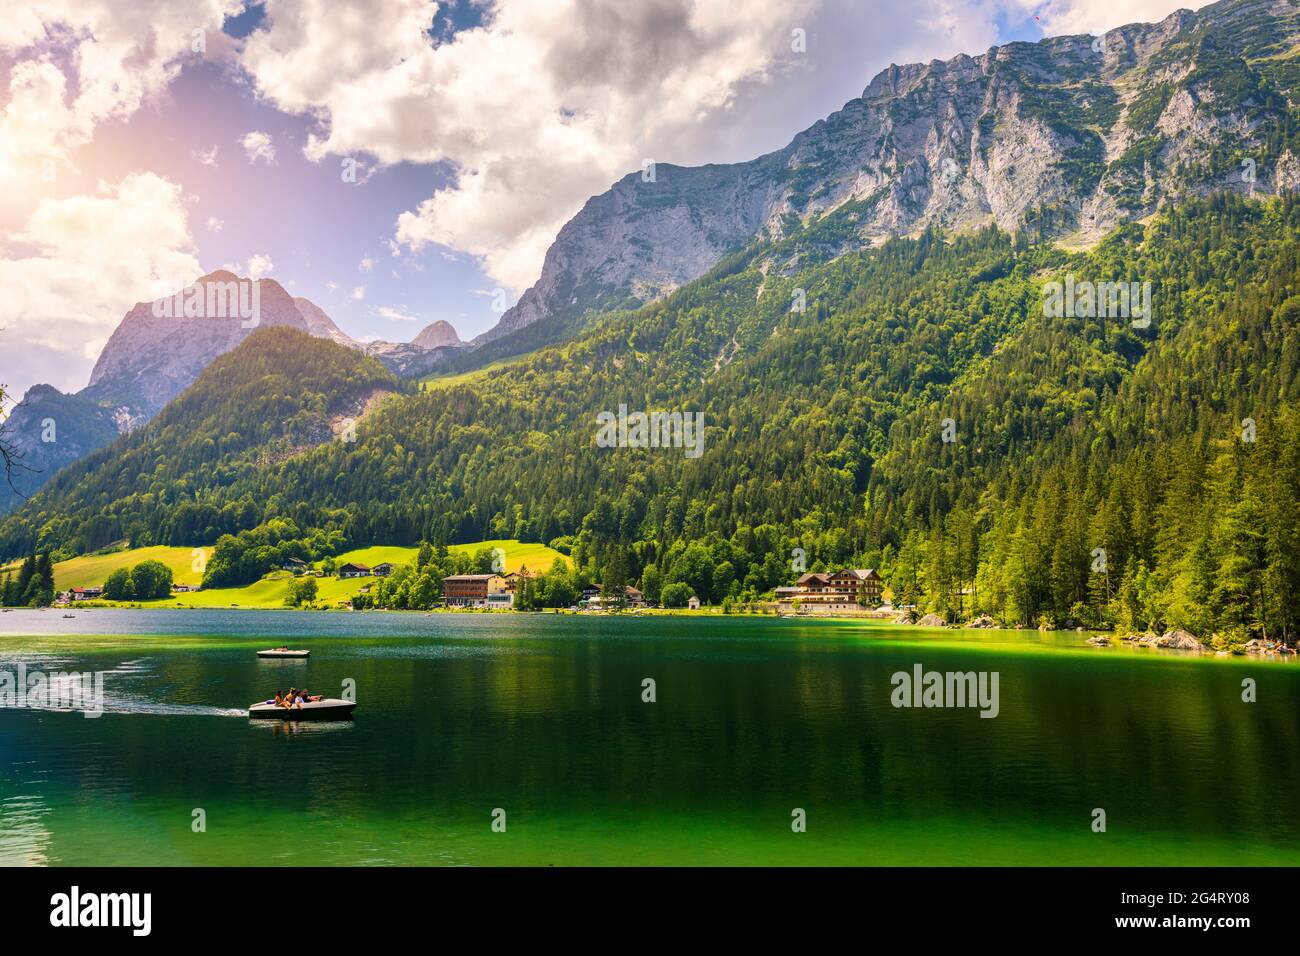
x,y
1068,136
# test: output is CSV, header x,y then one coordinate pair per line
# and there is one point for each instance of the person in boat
x,y
287,702
310,698
279,699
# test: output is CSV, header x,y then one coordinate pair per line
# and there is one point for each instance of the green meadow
x,y
90,570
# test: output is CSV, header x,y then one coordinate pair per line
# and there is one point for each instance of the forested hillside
x,y
278,394
1098,472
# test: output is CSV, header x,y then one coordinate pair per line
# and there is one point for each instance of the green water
x,y
543,718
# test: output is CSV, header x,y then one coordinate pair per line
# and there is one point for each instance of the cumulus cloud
x,y
547,103
215,224
75,64
207,157
550,101
366,264
79,263
258,147
258,266
72,265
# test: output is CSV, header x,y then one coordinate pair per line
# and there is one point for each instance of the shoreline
x,y
1081,643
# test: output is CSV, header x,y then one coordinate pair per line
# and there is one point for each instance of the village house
x,y
382,570
693,603
500,600
516,578
847,590
594,600
186,587
472,590
85,594
296,565
353,570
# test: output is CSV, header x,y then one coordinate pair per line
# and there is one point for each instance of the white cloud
x,y
78,265
259,266
359,293
548,103
366,264
215,224
207,157
258,146
1062,17
75,64
397,315
551,101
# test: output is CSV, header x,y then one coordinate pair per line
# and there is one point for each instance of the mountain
x,y
277,394
1067,137
924,416
157,351
321,325
49,430
436,335
911,404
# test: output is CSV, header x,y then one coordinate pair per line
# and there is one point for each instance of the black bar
x,y
269,908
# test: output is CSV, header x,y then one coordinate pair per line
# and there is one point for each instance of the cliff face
x,y
321,325
1066,138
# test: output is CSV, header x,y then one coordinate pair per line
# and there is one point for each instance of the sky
x,y
396,161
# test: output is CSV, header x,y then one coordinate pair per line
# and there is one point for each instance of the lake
x,y
539,722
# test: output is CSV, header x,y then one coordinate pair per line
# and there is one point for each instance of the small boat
x,y
283,652
329,709
66,616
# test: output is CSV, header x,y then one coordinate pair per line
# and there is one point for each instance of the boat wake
x,y
171,710
134,707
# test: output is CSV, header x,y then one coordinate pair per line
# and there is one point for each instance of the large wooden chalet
x,y
845,590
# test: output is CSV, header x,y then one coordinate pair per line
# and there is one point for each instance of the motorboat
x,y
330,708
283,652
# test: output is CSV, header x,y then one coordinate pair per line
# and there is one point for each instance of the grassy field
x,y
91,569
269,591
439,381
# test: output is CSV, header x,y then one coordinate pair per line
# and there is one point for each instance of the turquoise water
x,y
542,717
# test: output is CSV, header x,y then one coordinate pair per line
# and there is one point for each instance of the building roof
x,y
470,578
819,577
354,566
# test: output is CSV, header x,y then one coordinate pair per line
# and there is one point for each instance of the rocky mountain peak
x,y
436,335
1060,139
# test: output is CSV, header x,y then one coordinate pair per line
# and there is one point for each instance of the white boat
x,y
283,652
329,709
